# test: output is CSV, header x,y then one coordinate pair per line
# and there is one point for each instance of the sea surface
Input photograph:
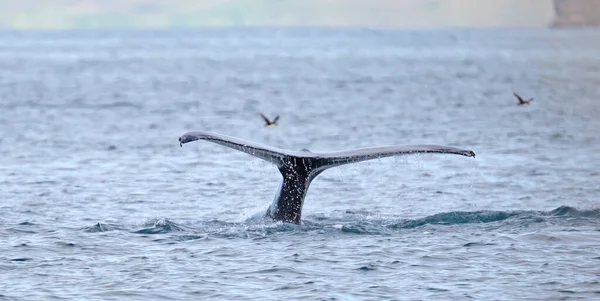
x,y
99,202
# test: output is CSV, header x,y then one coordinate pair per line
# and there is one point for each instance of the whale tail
x,y
299,168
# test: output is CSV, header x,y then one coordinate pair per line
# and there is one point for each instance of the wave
x,y
458,217
351,223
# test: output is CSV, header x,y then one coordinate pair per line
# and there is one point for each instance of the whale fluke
x,y
299,168
267,153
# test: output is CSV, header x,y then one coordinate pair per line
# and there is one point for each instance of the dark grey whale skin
x,y
300,168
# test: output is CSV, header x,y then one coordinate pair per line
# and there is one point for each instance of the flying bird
x,y
521,101
269,123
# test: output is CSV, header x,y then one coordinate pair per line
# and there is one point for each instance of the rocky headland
x,y
576,13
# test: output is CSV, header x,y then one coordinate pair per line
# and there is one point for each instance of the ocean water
x,y
99,202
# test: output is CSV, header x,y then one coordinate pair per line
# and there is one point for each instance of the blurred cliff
x,y
575,13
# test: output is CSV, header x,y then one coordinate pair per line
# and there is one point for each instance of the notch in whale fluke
x,y
299,168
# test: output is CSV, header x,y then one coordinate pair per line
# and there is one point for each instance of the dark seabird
x,y
269,123
521,101
299,168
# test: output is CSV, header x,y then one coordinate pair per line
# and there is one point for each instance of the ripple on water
x,y
351,223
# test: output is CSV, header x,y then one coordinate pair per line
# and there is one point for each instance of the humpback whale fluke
x,y
299,168
269,123
521,101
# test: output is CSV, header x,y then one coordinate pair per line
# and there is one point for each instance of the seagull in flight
x,y
521,101
269,123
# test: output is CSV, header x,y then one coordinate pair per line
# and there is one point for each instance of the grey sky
x,y
57,14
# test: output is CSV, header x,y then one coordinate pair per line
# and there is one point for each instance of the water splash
x,y
349,223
